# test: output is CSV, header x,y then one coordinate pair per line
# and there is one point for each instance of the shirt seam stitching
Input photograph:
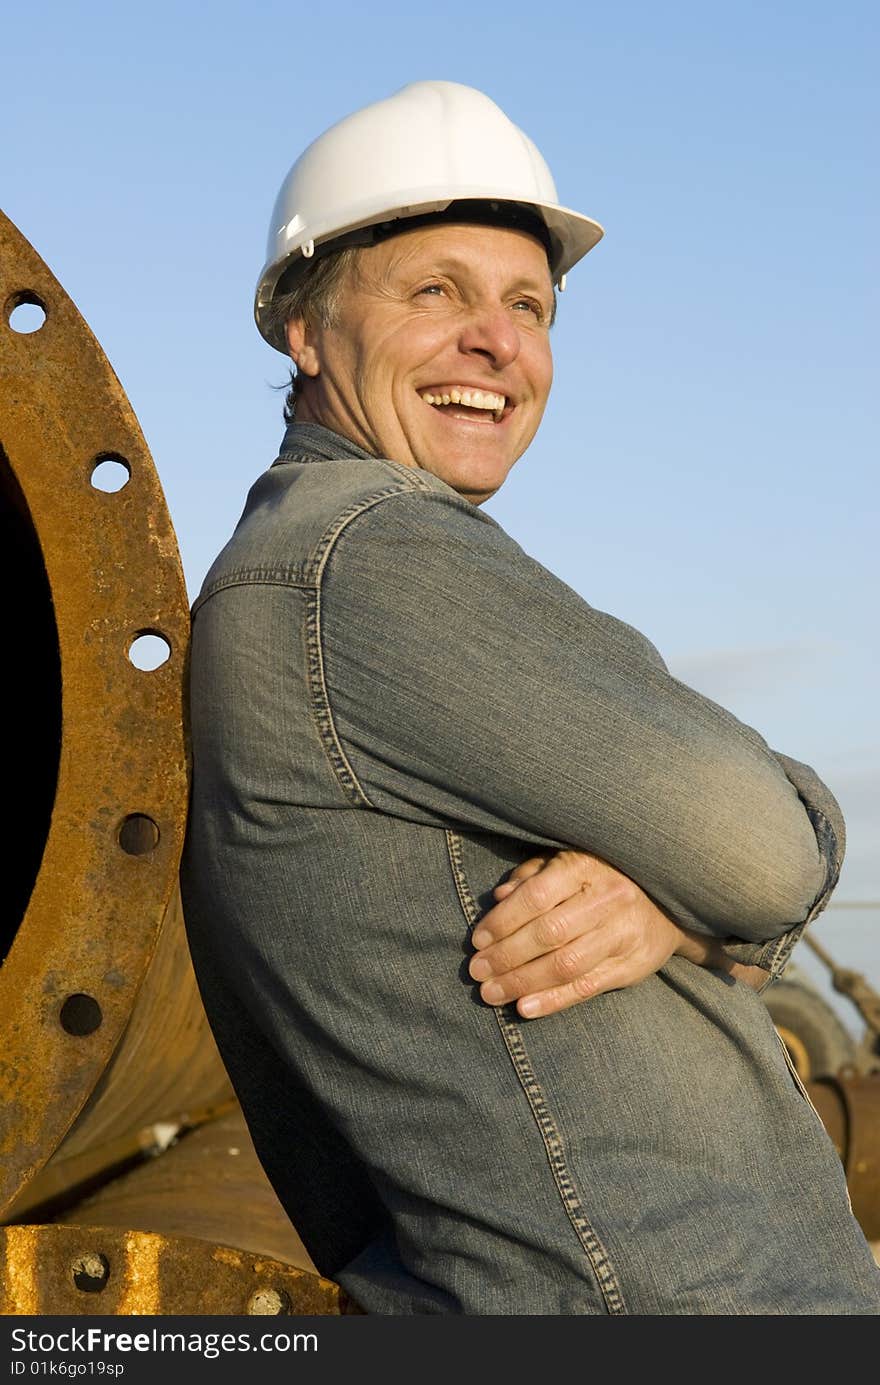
x,y
309,574
514,1042
320,701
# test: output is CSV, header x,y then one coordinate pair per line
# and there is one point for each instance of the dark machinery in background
x,y
841,1074
128,1181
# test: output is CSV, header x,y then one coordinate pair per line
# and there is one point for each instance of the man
x,y
403,725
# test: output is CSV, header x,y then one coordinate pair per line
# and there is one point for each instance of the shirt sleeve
x,y
468,686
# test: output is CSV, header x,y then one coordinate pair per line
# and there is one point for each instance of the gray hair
x,y
314,297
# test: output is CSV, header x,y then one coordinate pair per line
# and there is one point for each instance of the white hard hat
x,y
414,154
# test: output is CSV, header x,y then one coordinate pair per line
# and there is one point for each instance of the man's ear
x,y
302,352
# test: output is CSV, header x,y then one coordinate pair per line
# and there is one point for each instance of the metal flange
x,y
102,1271
109,851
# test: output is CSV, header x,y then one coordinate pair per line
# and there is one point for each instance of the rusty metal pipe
x,y
165,1077
167,1068
209,1185
107,827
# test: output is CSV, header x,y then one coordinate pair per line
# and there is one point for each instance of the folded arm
x,y
566,927
468,686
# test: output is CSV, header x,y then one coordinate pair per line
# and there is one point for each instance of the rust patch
x,y
102,1271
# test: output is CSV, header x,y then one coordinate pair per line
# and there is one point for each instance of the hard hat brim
x,y
572,235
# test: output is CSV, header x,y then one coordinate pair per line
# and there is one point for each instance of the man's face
x,y
436,314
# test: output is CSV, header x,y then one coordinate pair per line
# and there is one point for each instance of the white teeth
x,y
471,399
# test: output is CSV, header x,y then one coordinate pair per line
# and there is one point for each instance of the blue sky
x,y
706,468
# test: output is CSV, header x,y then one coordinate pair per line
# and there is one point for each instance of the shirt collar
x,y
312,440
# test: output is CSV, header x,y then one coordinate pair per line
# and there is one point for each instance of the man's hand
x,y
568,926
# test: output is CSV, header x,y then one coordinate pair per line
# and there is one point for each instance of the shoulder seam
x,y
318,690
308,574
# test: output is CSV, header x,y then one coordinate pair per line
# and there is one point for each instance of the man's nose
x,y
490,332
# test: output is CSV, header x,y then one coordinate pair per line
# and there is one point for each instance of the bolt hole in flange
x,y
80,1015
90,1272
149,650
25,312
138,835
110,473
269,1302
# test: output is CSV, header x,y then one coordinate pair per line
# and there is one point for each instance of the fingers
x,y
558,998
621,950
523,871
611,974
565,967
566,927
530,866
534,939
532,890
563,997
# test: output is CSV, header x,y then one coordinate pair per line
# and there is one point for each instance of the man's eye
x,y
431,288
530,306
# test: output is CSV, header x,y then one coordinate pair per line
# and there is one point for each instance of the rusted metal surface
x,y
101,1271
107,866
849,1106
209,1184
166,1077
167,1068
64,1182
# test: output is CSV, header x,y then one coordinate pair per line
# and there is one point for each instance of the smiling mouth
x,y
484,405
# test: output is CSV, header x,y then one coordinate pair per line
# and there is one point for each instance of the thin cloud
x,y
759,669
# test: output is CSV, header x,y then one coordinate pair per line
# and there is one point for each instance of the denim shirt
x,y
391,706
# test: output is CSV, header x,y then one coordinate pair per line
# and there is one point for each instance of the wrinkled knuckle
x,y
584,986
537,892
567,963
515,984
501,961
553,1000
553,930
573,860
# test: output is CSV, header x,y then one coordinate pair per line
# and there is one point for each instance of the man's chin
x,y
478,485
